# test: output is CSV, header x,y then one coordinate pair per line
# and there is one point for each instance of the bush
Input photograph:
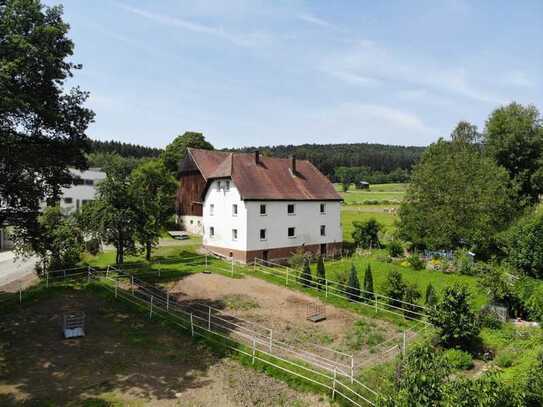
x,y
321,273
488,318
368,284
459,359
505,359
92,246
430,297
353,290
366,233
305,277
463,263
395,288
395,248
416,262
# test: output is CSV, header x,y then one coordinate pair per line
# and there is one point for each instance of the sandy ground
x,y
281,309
124,360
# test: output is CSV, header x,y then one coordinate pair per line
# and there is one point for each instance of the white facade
x,y
249,230
82,191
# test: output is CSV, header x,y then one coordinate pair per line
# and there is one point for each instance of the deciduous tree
x,y
177,149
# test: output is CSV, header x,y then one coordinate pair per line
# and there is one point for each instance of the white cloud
x,y
308,18
239,39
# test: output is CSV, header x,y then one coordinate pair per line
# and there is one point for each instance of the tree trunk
x,y
148,247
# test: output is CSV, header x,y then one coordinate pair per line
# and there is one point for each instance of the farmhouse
x,y
246,205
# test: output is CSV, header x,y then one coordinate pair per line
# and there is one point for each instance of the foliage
x,y
411,296
430,297
153,193
368,284
448,205
497,282
529,292
57,241
353,289
533,386
321,273
297,258
42,125
176,151
489,318
395,248
395,288
505,359
458,359
454,318
125,150
103,160
514,138
463,262
92,246
305,277
113,216
366,233
523,244
415,261
363,333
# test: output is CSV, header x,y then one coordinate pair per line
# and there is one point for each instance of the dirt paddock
x,y
279,308
125,359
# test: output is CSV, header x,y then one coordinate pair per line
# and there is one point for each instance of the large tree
x,y
514,138
177,149
42,125
153,191
457,197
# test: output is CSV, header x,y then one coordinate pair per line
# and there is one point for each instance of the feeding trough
x,y
73,324
315,312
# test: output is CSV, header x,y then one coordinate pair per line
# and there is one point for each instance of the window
x,y
323,208
211,231
234,234
89,182
262,234
262,209
68,200
234,210
291,232
211,209
191,221
77,181
219,184
323,230
227,187
291,209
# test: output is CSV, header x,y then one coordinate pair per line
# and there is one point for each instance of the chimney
x,y
293,164
257,157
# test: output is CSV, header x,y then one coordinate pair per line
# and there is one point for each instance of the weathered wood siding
x,y
189,194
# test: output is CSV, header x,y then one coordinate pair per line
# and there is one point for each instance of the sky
x,y
251,72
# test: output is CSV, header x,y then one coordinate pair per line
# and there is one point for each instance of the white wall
x,y
307,221
222,219
81,192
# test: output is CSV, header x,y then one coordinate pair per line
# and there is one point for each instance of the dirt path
x,y
124,359
284,311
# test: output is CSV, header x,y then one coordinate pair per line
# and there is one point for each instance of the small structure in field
x,y
315,312
363,185
73,325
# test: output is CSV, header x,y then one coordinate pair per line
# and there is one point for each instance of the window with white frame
x,y
211,209
211,231
234,234
234,209
291,232
219,185
323,230
263,209
291,209
323,208
263,234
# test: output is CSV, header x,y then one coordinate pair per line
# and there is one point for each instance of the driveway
x,y
14,269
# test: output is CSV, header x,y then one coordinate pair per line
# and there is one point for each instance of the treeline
x,y
123,149
376,159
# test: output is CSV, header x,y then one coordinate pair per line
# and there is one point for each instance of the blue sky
x,y
250,72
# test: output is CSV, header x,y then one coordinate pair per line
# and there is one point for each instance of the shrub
x,y
305,277
533,386
453,316
395,248
321,273
297,258
395,288
92,246
430,297
353,291
366,233
504,359
411,296
463,263
416,262
488,318
368,284
459,359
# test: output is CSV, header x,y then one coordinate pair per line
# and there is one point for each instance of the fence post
x,y
271,340
206,263
116,287
334,384
88,274
107,271
376,310
191,325
326,288
352,369
254,349
132,284
151,308
167,300
254,265
232,266
47,279
208,318
286,281
404,343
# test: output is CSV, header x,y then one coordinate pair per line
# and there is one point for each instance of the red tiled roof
x,y
270,179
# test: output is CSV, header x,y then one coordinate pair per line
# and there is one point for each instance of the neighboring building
x,y
248,206
363,185
82,190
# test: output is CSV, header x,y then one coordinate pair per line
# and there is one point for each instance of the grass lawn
x,y
349,214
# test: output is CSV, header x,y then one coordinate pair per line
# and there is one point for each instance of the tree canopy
x,y
42,125
177,149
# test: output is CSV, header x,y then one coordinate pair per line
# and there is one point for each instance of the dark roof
x,y
270,179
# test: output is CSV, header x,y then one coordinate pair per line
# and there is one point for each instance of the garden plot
x,y
284,312
123,360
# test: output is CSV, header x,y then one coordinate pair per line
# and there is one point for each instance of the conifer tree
x,y
353,291
305,278
368,285
430,296
321,273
